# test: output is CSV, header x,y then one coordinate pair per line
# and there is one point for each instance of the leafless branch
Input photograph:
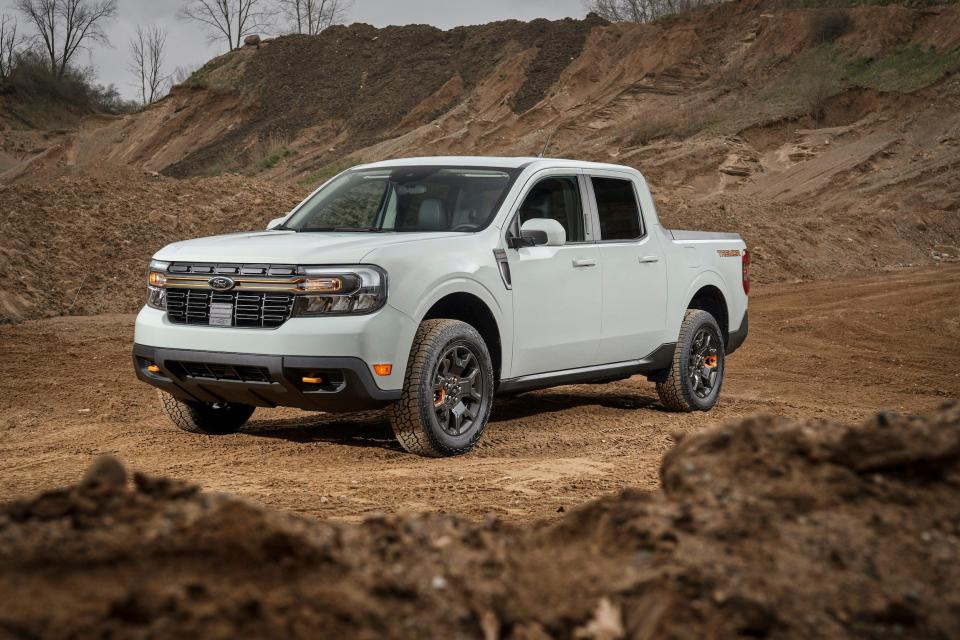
x,y
146,53
227,20
11,45
641,10
313,16
65,26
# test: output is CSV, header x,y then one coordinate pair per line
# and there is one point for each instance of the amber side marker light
x,y
152,368
383,369
313,379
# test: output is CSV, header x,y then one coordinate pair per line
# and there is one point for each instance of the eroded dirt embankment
x,y
765,528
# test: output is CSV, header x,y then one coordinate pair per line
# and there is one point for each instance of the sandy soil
x,y
838,349
765,528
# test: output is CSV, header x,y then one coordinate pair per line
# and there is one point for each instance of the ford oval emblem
x,y
221,283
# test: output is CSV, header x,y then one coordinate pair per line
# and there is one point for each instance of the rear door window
x,y
618,209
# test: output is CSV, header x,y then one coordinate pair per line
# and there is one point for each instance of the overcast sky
x,y
187,46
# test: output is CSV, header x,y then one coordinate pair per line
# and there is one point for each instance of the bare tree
x,y
313,16
228,20
146,52
182,73
11,45
65,26
641,10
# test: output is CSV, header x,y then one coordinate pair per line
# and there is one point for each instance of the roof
x,y
491,161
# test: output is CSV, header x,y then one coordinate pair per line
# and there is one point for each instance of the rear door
x,y
633,270
556,290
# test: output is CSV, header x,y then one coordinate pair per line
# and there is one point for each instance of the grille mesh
x,y
250,309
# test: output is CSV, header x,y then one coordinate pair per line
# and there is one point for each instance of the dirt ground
x,y
839,350
764,528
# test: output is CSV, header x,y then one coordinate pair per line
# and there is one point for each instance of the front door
x,y
557,289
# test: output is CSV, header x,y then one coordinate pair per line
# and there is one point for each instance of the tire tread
x,y
674,392
405,414
192,419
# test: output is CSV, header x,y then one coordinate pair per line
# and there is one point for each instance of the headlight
x,y
156,280
341,291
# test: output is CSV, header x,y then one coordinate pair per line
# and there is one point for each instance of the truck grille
x,y
233,372
250,309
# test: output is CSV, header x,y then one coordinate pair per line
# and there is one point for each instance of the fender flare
x,y
465,284
707,277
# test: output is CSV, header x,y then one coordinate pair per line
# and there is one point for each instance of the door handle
x,y
647,259
586,262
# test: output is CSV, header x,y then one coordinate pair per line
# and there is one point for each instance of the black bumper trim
x,y
737,338
357,391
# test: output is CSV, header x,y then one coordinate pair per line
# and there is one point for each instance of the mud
x,y
768,528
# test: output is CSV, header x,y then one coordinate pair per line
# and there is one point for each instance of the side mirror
x,y
275,222
543,231
528,239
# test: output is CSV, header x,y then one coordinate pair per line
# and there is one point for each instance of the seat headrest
x,y
431,217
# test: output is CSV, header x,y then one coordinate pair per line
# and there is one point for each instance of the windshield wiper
x,y
282,227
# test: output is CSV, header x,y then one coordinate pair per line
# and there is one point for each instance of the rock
x,y
607,623
253,40
106,475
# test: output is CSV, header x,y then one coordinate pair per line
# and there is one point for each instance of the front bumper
x,y
382,337
263,380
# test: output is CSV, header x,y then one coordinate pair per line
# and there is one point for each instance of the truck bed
x,y
683,234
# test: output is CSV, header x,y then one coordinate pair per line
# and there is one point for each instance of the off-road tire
x,y
676,392
205,418
413,416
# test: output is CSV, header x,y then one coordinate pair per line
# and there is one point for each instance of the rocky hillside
x,y
829,138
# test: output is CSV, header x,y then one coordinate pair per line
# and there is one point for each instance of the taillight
x,y
746,271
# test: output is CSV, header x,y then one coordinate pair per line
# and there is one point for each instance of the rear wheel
x,y
447,391
696,374
210,418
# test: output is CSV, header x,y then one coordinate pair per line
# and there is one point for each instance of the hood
x,y
288,247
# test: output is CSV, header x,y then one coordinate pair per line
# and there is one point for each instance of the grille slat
x,y
250,310
230,372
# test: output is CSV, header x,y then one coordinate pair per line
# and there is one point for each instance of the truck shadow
x,y
372,429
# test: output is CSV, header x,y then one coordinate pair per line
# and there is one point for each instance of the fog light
x,y
152,368
313,379
383,369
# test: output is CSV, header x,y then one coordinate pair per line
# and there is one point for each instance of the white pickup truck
x,y
424,286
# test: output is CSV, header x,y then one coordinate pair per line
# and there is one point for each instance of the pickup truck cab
x,y
425,286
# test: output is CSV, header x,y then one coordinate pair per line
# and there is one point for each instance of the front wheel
x,y
447,391
696,374
210,418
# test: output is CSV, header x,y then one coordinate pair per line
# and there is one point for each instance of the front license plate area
x,y
221,314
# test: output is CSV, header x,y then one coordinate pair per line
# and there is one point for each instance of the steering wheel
x,y
464,227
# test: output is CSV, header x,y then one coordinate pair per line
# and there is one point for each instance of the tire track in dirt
x,y
838,349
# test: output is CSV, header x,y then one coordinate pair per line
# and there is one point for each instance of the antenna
x,y
547,144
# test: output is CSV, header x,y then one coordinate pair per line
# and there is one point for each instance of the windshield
x,y
428,198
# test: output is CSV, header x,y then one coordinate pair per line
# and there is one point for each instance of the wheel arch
x,y
710,298
470,308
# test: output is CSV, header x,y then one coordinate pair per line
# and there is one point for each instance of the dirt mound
x,y
767,528
346,89
81,244
831,159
